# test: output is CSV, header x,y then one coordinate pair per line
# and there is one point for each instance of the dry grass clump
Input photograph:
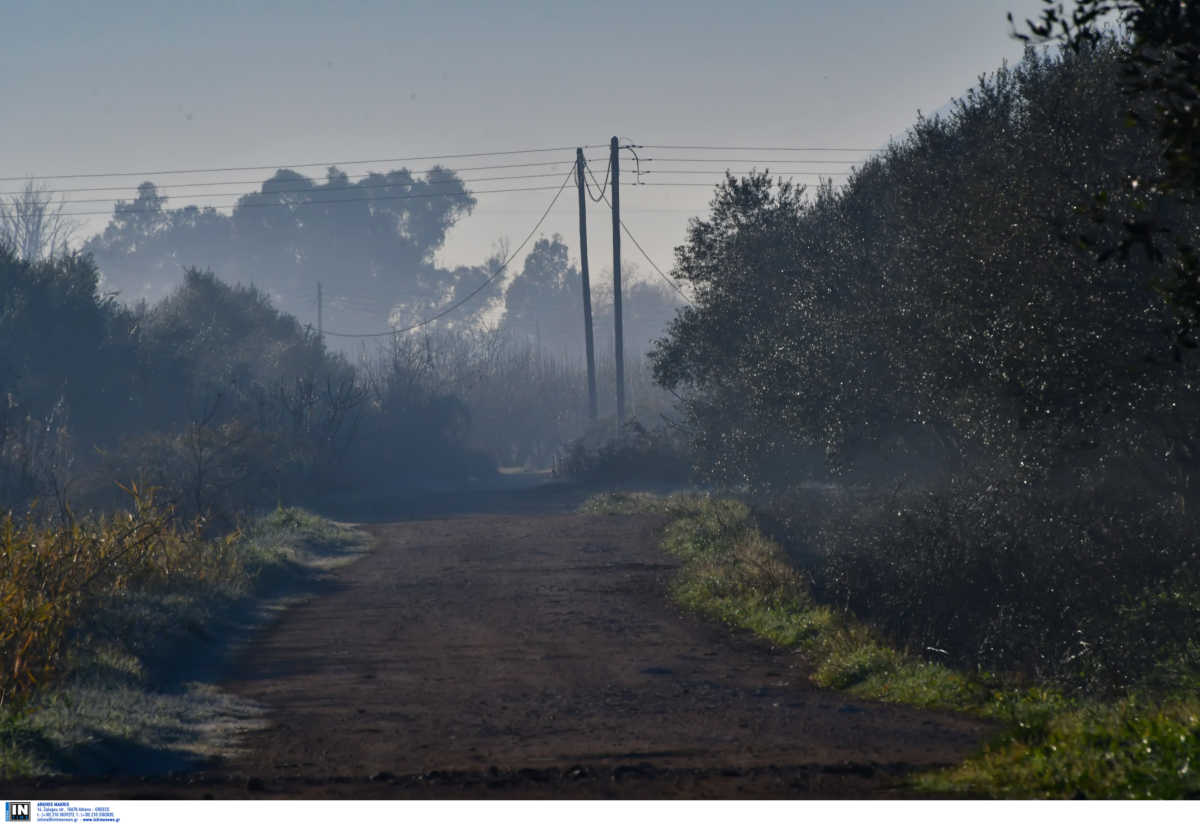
x,y
57,569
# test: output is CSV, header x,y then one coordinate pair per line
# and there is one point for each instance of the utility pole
x,y
618,333
589,344
320,324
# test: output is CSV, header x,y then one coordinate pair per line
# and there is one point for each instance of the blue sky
x,y
122,86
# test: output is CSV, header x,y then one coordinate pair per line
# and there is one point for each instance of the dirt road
x,y
536,655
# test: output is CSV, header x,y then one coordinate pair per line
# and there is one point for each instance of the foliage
x,y
213,395
637,454
508,398
371,240
230,401
1051,746
59,343
1017,457
1160,55
57,571
627,503
734,573
543,305
1131,749
33,227
223,401
127,653
1089,589
924,318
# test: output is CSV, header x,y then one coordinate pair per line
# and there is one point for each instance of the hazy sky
x,y
123,86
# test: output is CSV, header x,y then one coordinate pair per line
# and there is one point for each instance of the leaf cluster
x,y
928,316
57,570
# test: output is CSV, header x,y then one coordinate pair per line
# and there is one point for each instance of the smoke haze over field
x,y
137,86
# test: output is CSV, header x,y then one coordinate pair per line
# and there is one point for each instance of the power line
x,y
758,148
359,186
323,189
806,161
601,187
707,185
363,201
302,165
726,171
598,186
478,288
259,182
670,282
454,156
354,177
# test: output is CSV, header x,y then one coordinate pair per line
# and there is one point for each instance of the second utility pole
x,y
587,288
618,333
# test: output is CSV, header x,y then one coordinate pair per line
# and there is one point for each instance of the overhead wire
x,y
259,182
302,165
602,187
409,158
344,200
320,190
724,171
598,186
499,270
706,185
791,160
669,281
359,186
757,148
357,178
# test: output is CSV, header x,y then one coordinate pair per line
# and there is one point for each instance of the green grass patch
x,y
1130,749
733,573
1052,746
132,687
625,503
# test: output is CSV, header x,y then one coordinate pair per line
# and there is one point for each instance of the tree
x,y
145,248
925,317
543,303
371,242
1161,78
33,227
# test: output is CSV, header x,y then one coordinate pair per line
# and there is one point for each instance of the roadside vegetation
x,y
635,455
959,394
954,403
159,394
111,627
1055,739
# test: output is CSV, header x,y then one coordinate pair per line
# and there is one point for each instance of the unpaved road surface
x,y
537,655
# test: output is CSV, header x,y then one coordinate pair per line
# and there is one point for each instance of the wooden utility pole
x,y
589,344
320,319
618,333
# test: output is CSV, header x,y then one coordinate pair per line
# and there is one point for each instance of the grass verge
x,y
128,688
1052,745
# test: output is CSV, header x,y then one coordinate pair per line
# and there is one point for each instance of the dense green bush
x,y
975,432
213,396
1087,587
636,454
929,316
